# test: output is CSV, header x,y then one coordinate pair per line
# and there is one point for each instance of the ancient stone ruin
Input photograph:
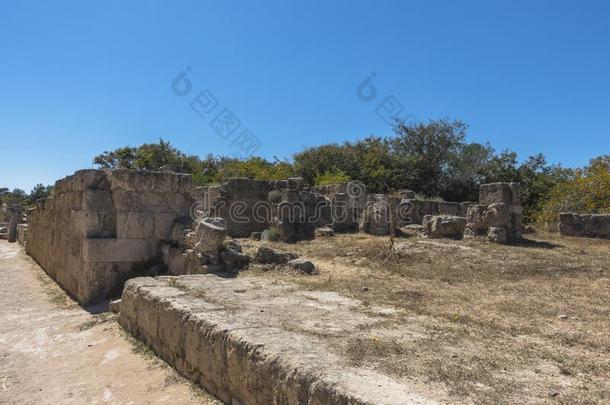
x,y
498,214
585,225
101,228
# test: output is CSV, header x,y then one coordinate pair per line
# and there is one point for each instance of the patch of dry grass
x,y
488,323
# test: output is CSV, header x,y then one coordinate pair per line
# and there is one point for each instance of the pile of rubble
x,y
205,248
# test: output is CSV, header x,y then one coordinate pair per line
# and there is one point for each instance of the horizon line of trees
x,y
434,159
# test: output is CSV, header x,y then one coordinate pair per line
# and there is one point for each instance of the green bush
x,y
587,193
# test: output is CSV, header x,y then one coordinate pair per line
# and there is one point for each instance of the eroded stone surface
x,y
229,336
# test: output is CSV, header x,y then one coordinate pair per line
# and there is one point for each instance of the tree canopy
x,y
434,159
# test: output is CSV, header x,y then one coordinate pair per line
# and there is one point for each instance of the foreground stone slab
x,y
249,341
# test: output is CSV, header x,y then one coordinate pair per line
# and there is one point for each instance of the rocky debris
x,y
234,260
114,306
234,245
413,229
200,263
302,265
267,255
444,226
256,235
497,234
208,235
270,235
325,232
585,225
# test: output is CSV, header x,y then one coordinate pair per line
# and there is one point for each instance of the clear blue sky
x,y
78,78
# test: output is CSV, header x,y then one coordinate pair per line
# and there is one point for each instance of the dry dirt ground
x,y
54,352
475,322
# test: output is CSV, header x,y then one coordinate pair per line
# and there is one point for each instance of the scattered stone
x,y
414,228
563,317
234,260
302,265
268,255
497,235
234,245
114,306
444,226
529,229
325,232
270,235
364,289
256,235
208,235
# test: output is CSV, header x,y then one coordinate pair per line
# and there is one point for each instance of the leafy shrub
x,y
587,193
332,178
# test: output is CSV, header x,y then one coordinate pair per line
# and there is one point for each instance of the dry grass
x,y
486,323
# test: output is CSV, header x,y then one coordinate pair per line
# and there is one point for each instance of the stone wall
x,y
498,214
22,231
102,227
421,208
585,225
250,206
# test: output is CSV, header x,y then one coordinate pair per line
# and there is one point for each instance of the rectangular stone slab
x,y
252,342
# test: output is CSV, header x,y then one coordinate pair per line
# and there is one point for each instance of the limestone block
x,y
135,225
303,265
571,224
234,260
83,180
497,215
119,250
497,235
267,255
444,226
496,193
92,224
449,208
208,234
148,201
597,226
96,200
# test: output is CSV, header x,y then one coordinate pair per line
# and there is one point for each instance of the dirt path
x,y
54,352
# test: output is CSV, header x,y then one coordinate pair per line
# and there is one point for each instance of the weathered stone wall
x,y
498,214
421,208
22,230
102,227
250,206
585,225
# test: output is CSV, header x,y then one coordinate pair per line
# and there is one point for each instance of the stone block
x,y
571,224
119,250
92,224
444,226
597,226
96,200
496,193
135,225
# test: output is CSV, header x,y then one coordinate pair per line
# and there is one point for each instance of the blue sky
x,y
78,78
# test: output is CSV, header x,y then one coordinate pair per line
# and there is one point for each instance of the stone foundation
x,y
585,225
102,227
235,342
